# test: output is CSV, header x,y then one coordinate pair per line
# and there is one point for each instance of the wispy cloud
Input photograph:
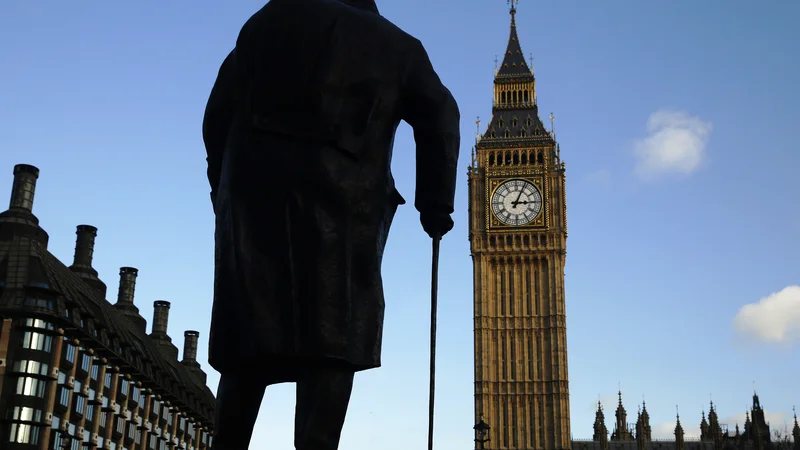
x,y
675,143
773,319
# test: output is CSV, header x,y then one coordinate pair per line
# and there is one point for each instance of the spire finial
x,y
677,413
531,58
513,4
495,65
553,125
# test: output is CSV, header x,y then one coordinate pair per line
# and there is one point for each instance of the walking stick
x,y
434,294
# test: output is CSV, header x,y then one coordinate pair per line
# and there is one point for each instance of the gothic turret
x,y
714,428
704,428
621,432
679,443
758,431
641,442
648,431
600,430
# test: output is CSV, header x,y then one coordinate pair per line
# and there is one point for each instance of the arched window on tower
x,y
514,122
508,133
491,159
540,157
524,157
516,157
523,133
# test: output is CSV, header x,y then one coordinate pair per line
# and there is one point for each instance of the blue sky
x,y
677,122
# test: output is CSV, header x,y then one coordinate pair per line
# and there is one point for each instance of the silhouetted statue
x,y
299,130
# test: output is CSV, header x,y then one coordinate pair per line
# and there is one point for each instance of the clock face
x,y
516,202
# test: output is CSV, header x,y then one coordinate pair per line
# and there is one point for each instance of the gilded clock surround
x,y
494,225
521,374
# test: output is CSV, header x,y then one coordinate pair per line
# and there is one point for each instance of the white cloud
x,y
675,143
774,319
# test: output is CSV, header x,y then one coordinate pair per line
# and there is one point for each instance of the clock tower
x,y
518,233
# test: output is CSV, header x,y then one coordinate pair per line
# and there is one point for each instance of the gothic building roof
x,y
34,283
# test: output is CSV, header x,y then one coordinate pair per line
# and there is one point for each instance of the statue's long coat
x,y
299,131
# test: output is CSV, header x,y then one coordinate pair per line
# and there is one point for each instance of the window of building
x,y
31,367
70,353
95,370
22,432
31,387
38,323
39,300
85,361
37,341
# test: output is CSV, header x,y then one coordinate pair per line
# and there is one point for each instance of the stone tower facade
x,y
518,232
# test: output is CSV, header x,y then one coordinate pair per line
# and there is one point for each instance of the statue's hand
x,y
436,224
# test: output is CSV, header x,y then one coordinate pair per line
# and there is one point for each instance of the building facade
x,y
756,433
518,233
76,371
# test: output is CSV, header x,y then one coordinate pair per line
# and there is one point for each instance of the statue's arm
x,y
220,109
432,112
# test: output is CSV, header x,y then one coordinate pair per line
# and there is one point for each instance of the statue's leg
x,y
322,400
238,401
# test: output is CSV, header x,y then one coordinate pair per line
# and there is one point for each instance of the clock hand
x,y
517,202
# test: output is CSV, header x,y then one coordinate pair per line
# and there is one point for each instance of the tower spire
x,y
514,64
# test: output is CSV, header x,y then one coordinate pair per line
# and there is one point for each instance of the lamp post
x,y
481,433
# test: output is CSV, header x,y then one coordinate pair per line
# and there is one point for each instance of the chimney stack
x,y
190,347
82,263
24,187
190,355
18,220
160,317
159,331
127,287
84,246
